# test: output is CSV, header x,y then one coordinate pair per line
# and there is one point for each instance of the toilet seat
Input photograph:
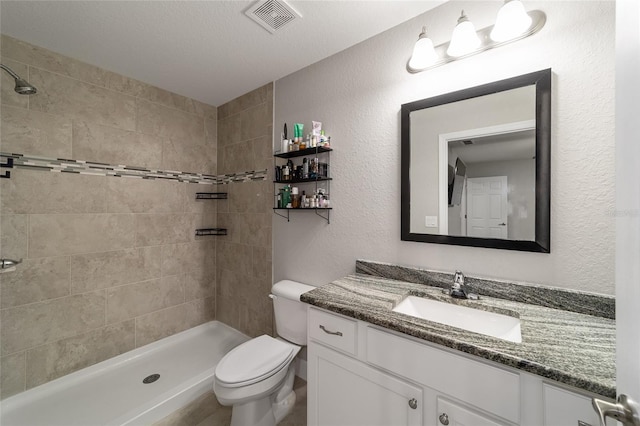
x,y
254,361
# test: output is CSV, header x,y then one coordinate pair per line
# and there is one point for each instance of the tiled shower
x,y
113,263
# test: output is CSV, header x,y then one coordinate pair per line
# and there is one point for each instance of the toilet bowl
x,y
256,378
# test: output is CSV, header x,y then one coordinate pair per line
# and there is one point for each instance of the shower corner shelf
x,y
9,165
211,195
210,231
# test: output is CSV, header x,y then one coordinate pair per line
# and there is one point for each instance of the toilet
x,y
256,377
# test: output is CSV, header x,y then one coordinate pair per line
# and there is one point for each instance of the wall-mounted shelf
x,y
210,231
211,195
318,179
303,152
319,211
318,176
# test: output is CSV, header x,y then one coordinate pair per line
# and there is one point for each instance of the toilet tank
x,y
290,312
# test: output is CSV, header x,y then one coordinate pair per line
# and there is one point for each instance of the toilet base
x,y
258,412
268,410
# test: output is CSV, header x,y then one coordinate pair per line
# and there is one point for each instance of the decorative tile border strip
x,y
62,165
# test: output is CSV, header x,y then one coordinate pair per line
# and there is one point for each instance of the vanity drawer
x,y
484,386
333,330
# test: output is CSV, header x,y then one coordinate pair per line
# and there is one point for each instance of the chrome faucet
x,y
458,289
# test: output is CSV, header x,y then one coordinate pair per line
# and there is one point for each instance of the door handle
x,y
502,224
335,333
624,410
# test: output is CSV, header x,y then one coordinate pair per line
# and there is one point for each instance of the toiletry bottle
x,y
286,196
285,172
291,169
305,168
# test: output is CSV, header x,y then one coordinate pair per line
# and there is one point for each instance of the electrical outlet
x,y
431,221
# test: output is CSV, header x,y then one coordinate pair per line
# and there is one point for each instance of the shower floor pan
x,y
113,393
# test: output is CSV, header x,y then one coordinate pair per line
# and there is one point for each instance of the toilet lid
x,y
254,361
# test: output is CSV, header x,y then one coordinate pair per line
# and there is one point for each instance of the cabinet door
x,y
347,392
452,414
565,408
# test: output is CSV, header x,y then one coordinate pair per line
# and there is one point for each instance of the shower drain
x,y
150,378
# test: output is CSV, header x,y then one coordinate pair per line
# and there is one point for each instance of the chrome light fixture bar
x,y
538,19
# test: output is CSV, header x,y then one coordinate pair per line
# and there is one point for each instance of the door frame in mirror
x,y
542,81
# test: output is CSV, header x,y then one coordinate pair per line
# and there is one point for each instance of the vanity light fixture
x,y
424,55
512,23
464,39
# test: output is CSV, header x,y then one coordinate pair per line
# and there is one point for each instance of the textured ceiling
x,y
206,50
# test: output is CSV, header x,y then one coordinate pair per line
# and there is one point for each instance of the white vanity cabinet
x,y
347,392
360,374
563,407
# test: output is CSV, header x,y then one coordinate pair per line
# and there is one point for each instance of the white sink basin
x,y
478,321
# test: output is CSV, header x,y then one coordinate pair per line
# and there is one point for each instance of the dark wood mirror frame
x,y
542,82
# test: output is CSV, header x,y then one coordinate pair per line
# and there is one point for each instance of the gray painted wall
x,y
357,95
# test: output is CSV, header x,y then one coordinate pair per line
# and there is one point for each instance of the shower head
x,y
22,86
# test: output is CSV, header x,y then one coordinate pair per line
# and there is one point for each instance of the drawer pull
x,y
444,419
335,333
413,403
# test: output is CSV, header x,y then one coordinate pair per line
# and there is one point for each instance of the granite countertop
x,y
573,348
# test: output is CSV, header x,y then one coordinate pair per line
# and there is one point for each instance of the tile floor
x,y
298,417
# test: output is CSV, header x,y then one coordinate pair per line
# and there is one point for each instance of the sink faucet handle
x,y
459,278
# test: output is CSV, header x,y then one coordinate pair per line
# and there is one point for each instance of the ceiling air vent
x,y
272,15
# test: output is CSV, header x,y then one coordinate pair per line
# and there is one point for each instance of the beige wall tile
x,y
200,311
207,208
12,374
236,158
246,101
65,356
163,323
129,301
211,131
155,119
144,196
55,62
170,228
198,284
197,257
63,234
229,130
255,122
94,271
35,192
32,132
8,96
247,228
188,156
14,232
262,150
31,325
60,64
235,257
82,101
160,324
261,262
95,142
36,280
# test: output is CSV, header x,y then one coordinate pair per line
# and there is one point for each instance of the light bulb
x,y
424,55
512,21
464,39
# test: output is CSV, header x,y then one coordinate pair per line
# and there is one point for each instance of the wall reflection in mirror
x,y
476,166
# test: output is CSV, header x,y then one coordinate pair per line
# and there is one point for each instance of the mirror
x,y
476,166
